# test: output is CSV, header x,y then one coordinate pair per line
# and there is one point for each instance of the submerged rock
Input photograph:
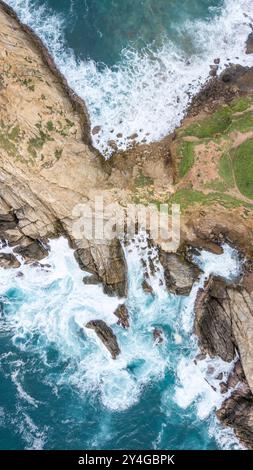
x,y
106,335
91,280
158,336
123,316
179,273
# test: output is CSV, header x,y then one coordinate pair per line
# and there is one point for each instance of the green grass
x,y
243,168
239,105
188,197
8,137
187,154
58,153
50,126
210,127
142,180
226,170
243,123
223,120
217,185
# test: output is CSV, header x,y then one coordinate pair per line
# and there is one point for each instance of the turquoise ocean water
x,y
136,64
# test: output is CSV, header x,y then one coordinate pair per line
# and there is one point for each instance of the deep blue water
x,y
100,29
134,63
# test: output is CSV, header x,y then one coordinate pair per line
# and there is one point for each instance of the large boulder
x,y
179,273
106,335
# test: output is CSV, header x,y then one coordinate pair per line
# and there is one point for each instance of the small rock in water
x,y
96,130
216,61
112,144
147,287
249,44
214,70
123,316
158,336
106,335
133,136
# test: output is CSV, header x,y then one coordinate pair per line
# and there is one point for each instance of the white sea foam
x,y
57,305
147,92
198,380
54,303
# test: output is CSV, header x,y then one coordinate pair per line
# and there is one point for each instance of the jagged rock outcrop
x,y
179,273
106,335
237,411
224,325
213,324
122,313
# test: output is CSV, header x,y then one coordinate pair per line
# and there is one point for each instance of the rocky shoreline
x,y
48,169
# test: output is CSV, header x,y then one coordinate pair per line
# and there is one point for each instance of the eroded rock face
x,y
179,274
224,325
213,320
123,316
106,335
237,411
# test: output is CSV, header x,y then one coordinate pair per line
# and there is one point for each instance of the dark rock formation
x,y
249,44
179,274
232,82
7,260
148,289
158,335
106,335
107,263
224,325
91,280
213,321
237,411
123,316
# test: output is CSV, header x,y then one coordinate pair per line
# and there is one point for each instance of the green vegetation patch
x,y
226,170
217,185
242,123
209,127
239,105
143,180
243,168
8,137
187,155
187,197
